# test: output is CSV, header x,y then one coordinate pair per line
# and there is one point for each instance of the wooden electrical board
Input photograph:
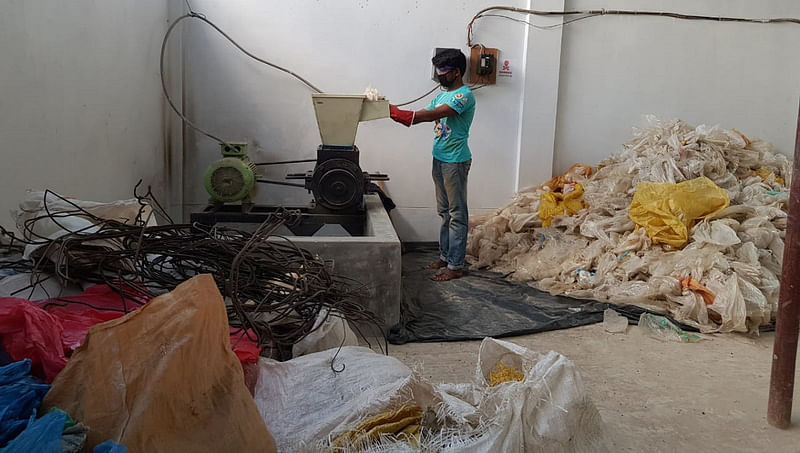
x,y
474,61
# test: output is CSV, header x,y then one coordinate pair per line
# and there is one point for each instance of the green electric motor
x,y
231,178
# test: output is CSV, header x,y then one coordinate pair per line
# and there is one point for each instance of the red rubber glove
x,y
405,117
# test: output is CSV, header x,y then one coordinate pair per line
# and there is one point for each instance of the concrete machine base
x,y
372,259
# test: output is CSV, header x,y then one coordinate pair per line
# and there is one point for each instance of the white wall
x,y
614,69
575,94
539,106
80,98
343,46
81,110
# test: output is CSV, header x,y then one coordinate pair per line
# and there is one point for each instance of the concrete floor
x,y
654,396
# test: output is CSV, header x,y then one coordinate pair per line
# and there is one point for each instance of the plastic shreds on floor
x,y
613,322
732,255
659,327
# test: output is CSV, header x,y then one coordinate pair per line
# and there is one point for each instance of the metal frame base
x,y
311,219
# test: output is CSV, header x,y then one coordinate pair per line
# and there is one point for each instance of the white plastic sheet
x,y
306,404
330,331
34,223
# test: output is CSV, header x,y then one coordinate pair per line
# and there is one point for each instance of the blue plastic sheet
x,y
13,372
110,446
20,432
41,436
20,398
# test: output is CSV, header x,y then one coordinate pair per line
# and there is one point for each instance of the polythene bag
x,y
577,171
110,446
48,335
164,379
330,330
552,204
29,332
20,397
308,398
38,206
549,410
668,211
306,403
41,436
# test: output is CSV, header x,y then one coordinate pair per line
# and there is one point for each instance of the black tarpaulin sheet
x,y
484,304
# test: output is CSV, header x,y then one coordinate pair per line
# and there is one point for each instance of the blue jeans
x,y
450,180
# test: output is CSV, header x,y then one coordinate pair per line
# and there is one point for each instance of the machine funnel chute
x,y
338,116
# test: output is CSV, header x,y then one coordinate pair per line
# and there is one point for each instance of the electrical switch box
x,y
483,65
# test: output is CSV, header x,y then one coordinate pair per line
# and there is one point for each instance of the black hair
x,y
450,57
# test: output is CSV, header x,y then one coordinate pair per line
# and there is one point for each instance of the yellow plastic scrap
x,y
691,284
764,174
410,434
402,422
668,211
552,204
574,172
504,373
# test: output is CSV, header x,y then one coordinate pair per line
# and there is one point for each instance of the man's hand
x,y
404,117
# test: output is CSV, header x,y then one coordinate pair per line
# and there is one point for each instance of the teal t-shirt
x,y
451,133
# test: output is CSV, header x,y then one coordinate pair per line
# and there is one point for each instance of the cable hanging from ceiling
x,y
586,14
201,17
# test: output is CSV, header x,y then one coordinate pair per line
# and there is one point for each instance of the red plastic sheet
x,y
49,331
30,332
99,303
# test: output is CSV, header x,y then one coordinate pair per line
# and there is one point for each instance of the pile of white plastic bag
x,y
600,254
308,403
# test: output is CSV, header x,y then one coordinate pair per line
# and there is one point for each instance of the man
x,y
452,111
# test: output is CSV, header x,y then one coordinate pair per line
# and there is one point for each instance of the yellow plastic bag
x,y
552,204
403,422
576,171
668,211
764,174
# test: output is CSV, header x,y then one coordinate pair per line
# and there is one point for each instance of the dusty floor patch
x,y
709,396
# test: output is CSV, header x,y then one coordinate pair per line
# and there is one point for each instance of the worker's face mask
x,y
445,78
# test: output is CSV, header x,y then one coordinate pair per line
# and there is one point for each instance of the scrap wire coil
x,y
274,290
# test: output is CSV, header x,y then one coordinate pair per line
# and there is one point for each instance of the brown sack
x,y
163,379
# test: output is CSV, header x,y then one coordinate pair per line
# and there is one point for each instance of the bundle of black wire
x,y
272,287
